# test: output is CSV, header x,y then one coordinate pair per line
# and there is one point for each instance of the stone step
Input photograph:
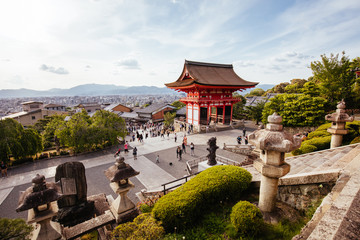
x,y
332,161
341,163
323,163
302,163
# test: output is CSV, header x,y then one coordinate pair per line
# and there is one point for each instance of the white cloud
x,y
52,69
128,63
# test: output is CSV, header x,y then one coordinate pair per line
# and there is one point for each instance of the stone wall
x,y
295,130
301,197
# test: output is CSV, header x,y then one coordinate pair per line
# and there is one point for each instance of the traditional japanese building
x,y
209,88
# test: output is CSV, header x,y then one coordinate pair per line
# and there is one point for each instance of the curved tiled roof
x,y
209,74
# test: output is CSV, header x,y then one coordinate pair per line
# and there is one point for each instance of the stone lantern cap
x,y
39,194
273,137
120,171
340,115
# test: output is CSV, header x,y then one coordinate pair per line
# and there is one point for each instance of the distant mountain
x,y
85,90
99,90
262,86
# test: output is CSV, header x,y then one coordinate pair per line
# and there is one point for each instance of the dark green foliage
x,y
144,227
90,236
335,80
169,118
239,107
144,208
355,140
18,142
354,132
246,218
178,104
15,229
297,110
255,112
185,205
84,133
318,133
320,139
304,149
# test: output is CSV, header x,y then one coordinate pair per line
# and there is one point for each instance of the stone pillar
x,y
273,143
337,129
46,229
40,201
122,208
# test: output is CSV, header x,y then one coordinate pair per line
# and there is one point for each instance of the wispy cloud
x,y
128,63
52,69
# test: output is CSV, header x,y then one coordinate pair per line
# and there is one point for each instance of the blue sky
x,y
62,44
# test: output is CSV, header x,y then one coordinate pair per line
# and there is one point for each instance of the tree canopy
x,y
296,109
83,133
335,80
18,142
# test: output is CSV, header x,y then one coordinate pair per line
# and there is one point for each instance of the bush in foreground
x,y
246,218
184,205
143,227
15,229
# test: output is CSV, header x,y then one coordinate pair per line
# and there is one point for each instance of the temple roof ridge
x,y
206,64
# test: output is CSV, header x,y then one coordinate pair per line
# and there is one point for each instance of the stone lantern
x,y
119,175
40,200
273,143
337,129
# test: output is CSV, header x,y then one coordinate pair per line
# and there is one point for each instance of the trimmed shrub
x,y
144,227
319,133
185,204
44,155
21,161
324,127
306,148
355,140
246,218
63,153
319,142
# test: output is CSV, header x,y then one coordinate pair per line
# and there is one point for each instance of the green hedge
x,y
304,149
318,133
185,204
246,218
143,227
314,144
355,140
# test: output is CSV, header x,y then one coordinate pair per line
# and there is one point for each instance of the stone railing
x,y
241,149
191,164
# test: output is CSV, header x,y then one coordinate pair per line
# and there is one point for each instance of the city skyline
x,y
63,44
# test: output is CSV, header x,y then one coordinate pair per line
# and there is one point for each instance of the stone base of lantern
x,y
44,228
122,207
203,165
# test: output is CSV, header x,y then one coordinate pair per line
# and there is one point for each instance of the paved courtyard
x,y
152,175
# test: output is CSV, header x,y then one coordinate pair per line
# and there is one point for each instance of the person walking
x,y
244,131
180,153
178,149
126,147
175,137
157,159
192,148
185,140
239,139
3,167
135,153
246,140
183,147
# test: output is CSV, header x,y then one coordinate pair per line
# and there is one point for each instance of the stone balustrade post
x,y
337,129
273,143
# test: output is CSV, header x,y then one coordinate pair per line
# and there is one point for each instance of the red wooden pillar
x,y
231,112
223,121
